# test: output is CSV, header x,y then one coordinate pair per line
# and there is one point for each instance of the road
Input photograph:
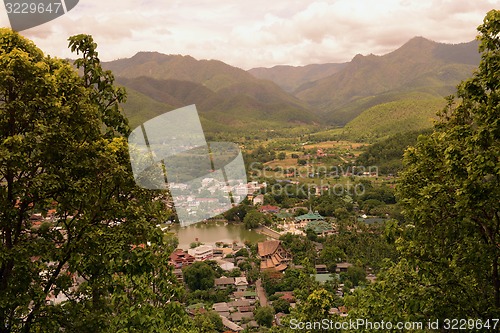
x,y
261,293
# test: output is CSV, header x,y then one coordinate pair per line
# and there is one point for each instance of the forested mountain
x,y
374,96
292,77
419,67
228,96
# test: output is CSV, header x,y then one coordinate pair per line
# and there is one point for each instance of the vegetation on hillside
x,y
391,118
387,154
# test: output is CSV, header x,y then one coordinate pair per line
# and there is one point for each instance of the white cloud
x,y
258,32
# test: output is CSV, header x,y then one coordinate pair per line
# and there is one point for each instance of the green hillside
x,y
247,118
387,154
420,65
372,96
391,118
140,108
227,97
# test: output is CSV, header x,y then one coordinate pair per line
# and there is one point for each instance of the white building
x,y
202,252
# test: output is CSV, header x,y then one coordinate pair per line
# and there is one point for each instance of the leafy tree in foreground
x,y
451,192
63,154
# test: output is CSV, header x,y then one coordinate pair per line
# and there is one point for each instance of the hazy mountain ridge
x,y
292,77
413,78
223,94
420,65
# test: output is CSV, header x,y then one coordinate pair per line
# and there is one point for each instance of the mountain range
x,y
369,95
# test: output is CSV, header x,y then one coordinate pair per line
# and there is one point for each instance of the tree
x,y
450,190
281,305
282,155
264,316
316,307
354,274
253,219
208,322
63,154
199,276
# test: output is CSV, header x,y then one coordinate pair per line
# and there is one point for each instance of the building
x,y
320,227
309,217
342,267
258,200
202,252
179,259
241,283
269,209
273,255
223,282
231,325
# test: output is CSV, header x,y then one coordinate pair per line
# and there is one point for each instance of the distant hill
x,y
224,95
372,96
420,65
292,77
411,114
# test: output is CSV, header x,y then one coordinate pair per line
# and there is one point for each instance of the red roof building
x,y
179,259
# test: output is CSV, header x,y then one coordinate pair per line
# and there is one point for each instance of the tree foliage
x,y
199,276
64,156
253,219
450,190
264,316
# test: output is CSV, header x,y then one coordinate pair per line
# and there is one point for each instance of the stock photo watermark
x,y
170,152
26,14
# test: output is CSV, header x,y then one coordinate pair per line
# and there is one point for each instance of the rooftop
x,y
268,247
310,217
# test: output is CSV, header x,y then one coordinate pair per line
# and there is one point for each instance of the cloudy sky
x,y
260,32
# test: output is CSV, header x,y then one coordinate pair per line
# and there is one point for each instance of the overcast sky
x,y
260,32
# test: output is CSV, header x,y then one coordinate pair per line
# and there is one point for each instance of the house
x,y
179,259
251,324
231,325
237,317
241,283
269,209
226,265
178,274
196,308
243,309
321,269
287,296
284,215
239,303
342,267
248,295
202,252
222,251
273,255
223,282
258,200
220,307
278,317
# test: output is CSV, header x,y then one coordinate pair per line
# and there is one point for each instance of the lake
x,y
212,232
